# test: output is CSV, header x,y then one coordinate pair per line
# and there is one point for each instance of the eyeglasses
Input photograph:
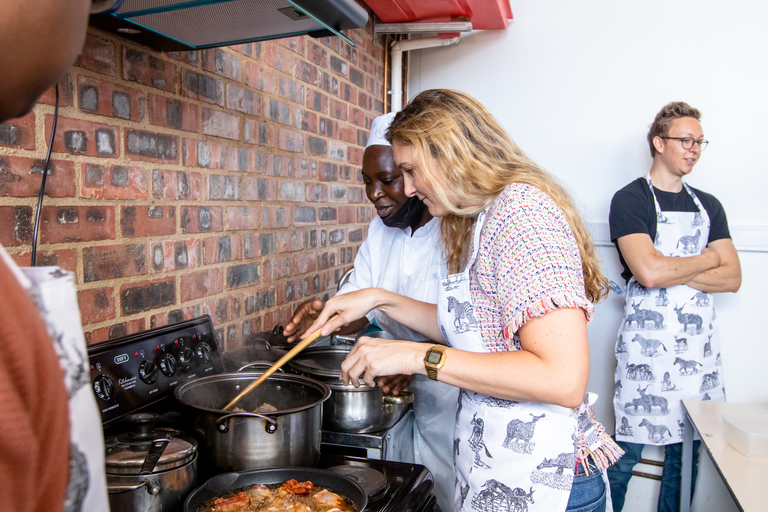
x,y
688,142
105,6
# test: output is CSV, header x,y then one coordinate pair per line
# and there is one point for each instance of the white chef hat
x,y
379,128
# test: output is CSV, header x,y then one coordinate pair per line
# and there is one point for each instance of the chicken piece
x,y
300,488
234,504
259,494
329,499
287,503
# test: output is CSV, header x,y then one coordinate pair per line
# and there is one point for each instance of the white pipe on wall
x,y
398,47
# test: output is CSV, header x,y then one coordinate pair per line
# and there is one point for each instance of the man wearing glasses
x,y
676,249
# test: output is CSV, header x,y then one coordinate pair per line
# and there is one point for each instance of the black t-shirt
x,y
633,211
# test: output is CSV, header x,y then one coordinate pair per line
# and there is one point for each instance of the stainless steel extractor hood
x,y
175,25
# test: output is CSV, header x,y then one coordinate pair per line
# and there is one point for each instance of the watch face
x,y
434,357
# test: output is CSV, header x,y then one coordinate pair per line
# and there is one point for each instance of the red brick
x,y
104,262
111,100
304,169
98,55
175,315
276,269
60,224
242,159
277,57
355,155
221,124
289,241
317,101
80,137
172,113
337,151
207,154
291,140
348,133
263,134
114,331
337,109
305,120
275,217
242,217
260,77
307,72
221,62
199,284
304,262
175,255
151,147
22,177
113,182
357,117
139,221
64,258
198,86
201,219
19,132
296,44
317,54
243,100
66,95
175,185
149,70
147,295
96,305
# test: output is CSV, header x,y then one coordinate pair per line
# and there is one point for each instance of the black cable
x,y
45,175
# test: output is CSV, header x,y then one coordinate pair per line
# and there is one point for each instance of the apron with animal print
x,y
509,456
668,347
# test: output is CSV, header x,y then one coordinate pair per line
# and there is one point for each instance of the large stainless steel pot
x,y
240,439
222,484
149,470
350,409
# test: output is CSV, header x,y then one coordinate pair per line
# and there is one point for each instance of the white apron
x,y
53,292
668,348
509,456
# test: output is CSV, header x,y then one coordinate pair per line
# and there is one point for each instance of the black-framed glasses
x,y
688,142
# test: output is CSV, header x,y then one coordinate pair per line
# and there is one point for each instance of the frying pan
x,y
224,483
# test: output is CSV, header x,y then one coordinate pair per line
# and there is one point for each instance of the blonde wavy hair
x,y
459,147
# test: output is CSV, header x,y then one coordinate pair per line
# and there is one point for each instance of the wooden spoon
x,y
287,357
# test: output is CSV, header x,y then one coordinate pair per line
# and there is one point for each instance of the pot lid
x,y
322,361
145,450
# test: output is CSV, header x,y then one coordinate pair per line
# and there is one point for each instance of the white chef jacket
x,y
392,259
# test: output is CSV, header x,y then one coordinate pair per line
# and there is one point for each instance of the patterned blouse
x,y
528,264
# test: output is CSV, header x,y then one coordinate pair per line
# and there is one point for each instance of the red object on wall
x,y
484,14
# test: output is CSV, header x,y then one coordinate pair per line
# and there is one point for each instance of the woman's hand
x,y
375,357
303,317
349,307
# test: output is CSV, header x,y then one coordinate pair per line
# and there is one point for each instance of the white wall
x,y
577,84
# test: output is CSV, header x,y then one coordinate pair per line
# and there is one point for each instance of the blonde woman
x,y
513,312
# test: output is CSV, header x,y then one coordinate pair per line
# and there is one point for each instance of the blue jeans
x,y
587,493
671,476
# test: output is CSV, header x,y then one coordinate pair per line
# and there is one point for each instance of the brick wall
x,y
223,182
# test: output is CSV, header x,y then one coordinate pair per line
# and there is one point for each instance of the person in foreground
x,y
676,249
513,311
42,466
401,254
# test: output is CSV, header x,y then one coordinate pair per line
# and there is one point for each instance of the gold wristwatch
x,y
434,360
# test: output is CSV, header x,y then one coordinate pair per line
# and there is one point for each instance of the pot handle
x,y
406,398
270,427
152,489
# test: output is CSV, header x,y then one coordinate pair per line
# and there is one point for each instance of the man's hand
x,y
304,316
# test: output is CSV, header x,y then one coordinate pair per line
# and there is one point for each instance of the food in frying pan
x,y
292,496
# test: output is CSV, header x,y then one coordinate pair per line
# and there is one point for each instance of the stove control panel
x,y
138,370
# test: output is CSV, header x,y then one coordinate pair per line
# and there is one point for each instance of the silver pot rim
x,y
178,392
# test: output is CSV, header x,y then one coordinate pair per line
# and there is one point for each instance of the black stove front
x,y
139,373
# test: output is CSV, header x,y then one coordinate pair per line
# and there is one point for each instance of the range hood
x,y
178,25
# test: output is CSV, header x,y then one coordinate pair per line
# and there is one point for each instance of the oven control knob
x,y
204,352
168,364
104,387
148,372
186,355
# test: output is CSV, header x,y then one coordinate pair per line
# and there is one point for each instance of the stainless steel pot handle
x,y
270,427
152,489
254,365
405,398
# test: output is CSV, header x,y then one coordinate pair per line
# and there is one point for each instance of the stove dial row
x,y
104,386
